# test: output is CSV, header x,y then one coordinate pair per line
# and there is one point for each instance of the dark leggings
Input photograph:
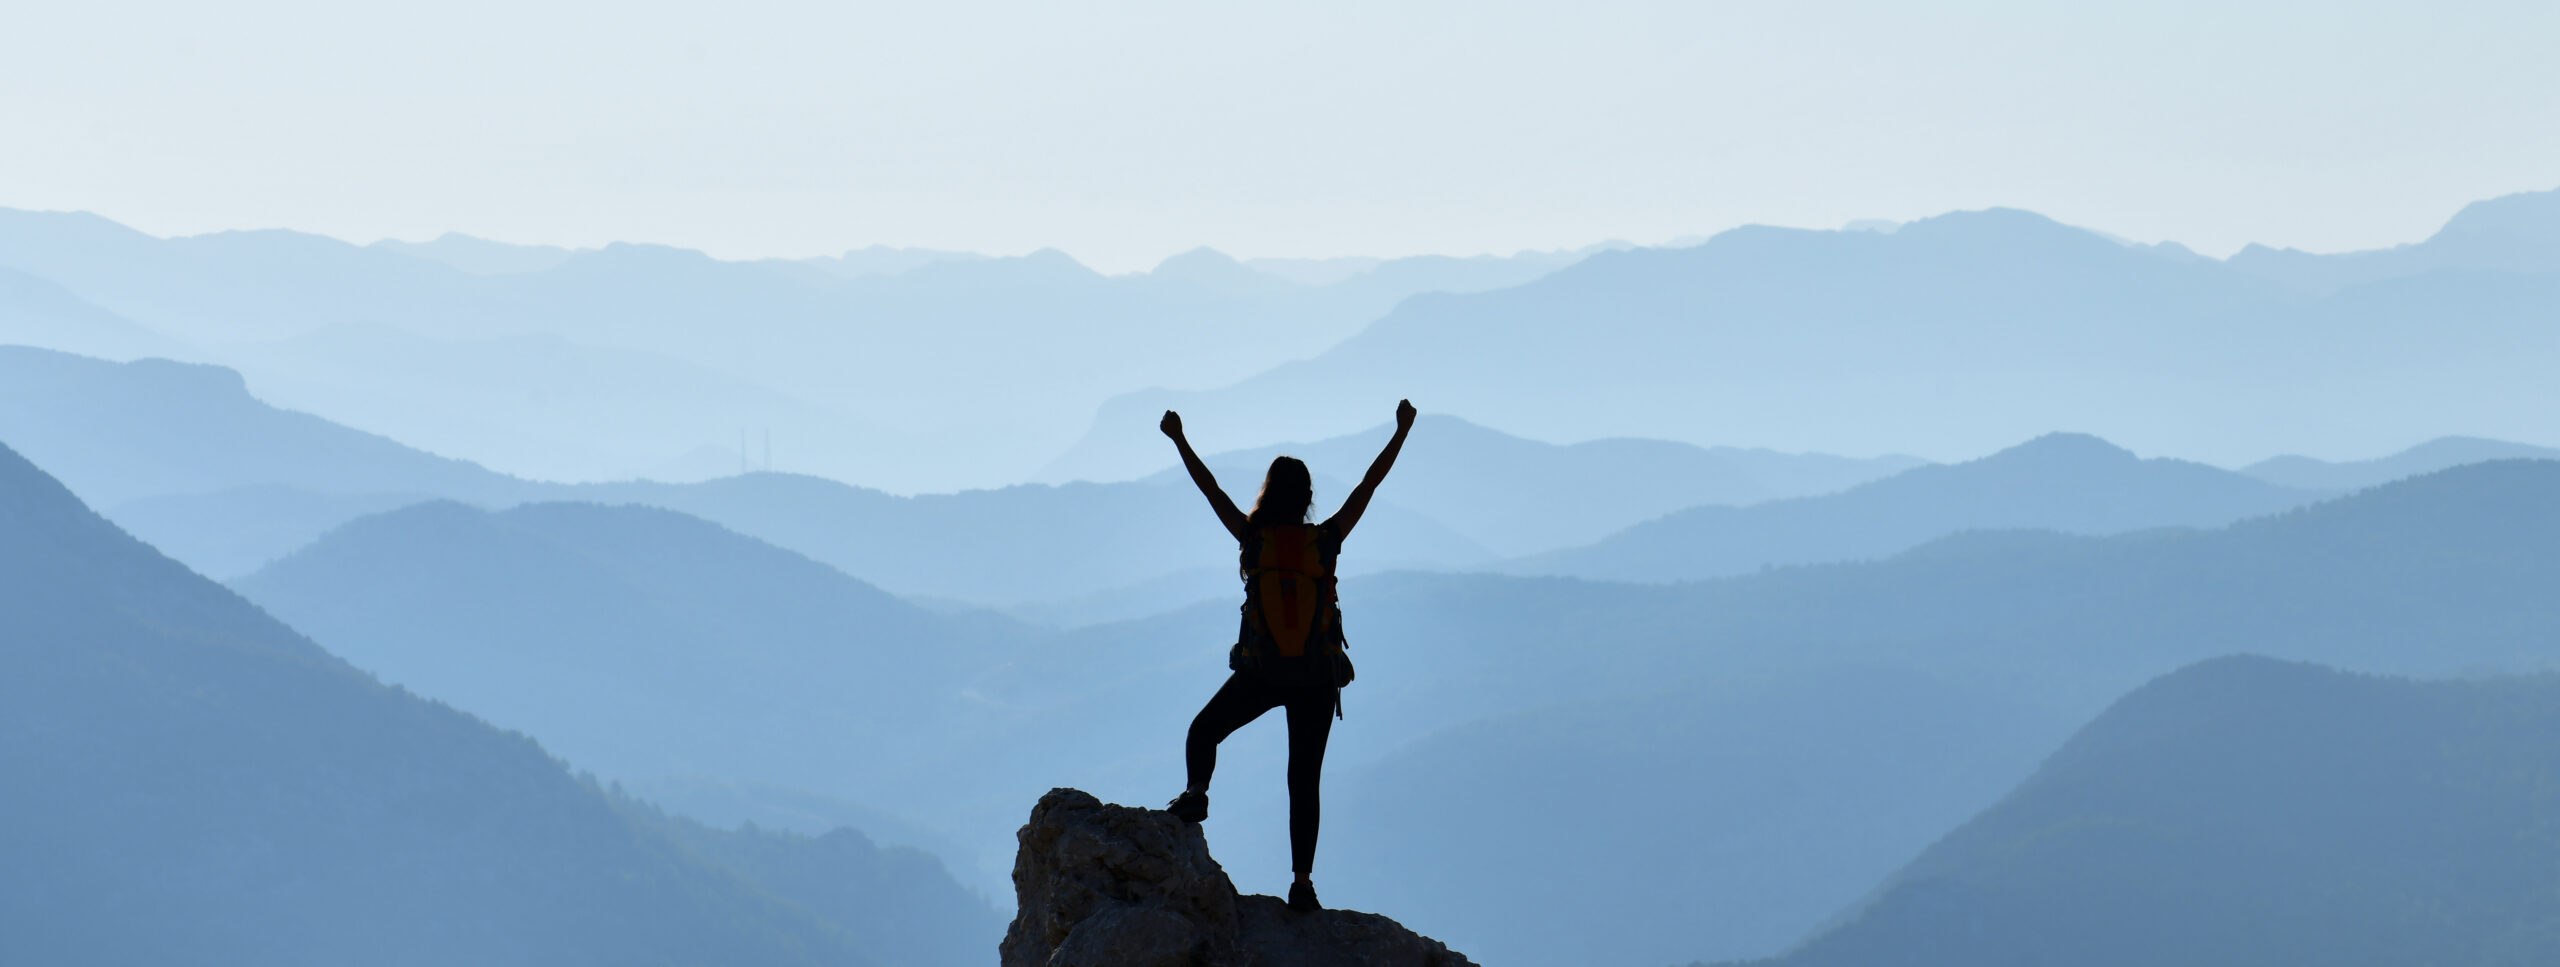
x,y
1243,699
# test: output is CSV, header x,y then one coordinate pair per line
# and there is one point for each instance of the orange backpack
x,y
1292,630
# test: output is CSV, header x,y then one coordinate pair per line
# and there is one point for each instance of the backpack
x,y
1291,632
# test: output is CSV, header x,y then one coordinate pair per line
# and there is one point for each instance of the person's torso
x,y
1291,624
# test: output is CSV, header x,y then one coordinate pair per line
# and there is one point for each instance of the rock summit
x,y
1103,885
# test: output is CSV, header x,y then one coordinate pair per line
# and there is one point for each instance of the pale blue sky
x,y
1124,132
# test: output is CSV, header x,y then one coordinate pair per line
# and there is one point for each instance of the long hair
x,y
1287,494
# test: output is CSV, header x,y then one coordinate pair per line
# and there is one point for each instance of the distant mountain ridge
x,y
118,431
36,312
1945,336
2073,483
938,355
1950,335
2428,457
2511,233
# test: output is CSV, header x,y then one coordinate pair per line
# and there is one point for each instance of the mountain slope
x,y
2065,482
1024,544
187,459
2512,233
113,432
2246,811
35,312
1713,816
191,781
639,642
2428,457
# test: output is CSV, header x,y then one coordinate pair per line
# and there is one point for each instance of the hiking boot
x,y
1190,807
1302,897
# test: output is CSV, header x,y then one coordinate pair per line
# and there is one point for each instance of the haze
x,y
1123,133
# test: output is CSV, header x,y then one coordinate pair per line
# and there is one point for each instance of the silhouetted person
x,y
1288,651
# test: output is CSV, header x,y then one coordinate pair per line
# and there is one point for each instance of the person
x,y
1289,650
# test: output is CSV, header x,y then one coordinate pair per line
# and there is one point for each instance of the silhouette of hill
x,y
35,312
1516,496
901,905
2065,482
118,431
2511,233
1021,545
945,349
228,533
2428,457
640,642
2247,811
2433,576
192,781
188,460
1952,334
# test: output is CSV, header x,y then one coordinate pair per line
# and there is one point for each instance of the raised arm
x,y
1218,499
1343,520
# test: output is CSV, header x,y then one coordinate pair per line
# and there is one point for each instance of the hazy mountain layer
x,y
2061,482
118,431
1713,815
2248,812
643,643
2513,233
2428,457
543,407
35,312
191,781
229,533
973,371
184,456
2001,631
1950,335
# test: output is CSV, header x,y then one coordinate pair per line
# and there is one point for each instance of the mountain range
x,y
2515,233
1852,657
643,643
1516,497
192,781
2071,483
1972,654
2313,474
183,455
905,380
1950,335
910,371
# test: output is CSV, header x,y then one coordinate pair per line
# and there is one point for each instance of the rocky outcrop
x,y
1103,885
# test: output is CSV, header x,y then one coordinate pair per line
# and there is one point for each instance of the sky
x,y
1126,132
